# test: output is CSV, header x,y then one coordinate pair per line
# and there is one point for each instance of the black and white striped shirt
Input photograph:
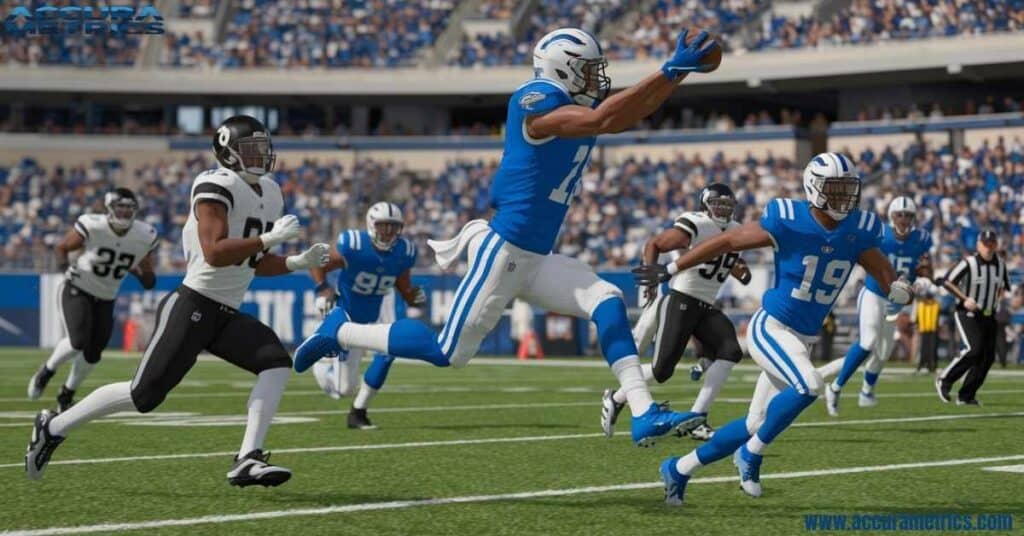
x,y
984,281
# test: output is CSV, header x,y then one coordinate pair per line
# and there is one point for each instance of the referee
x,y
978,282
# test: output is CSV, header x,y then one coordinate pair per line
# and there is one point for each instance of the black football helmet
x,y
122,206
242,144
719,202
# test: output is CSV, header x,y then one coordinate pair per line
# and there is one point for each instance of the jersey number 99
x,y
825,290
369,284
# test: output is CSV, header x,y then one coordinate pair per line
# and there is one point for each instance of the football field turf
x,y
497,448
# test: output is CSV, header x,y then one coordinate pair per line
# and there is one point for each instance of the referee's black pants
x,y
978,332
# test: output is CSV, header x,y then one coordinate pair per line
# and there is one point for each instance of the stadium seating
x,y
622,201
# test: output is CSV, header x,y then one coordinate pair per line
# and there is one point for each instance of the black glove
x,y
648,275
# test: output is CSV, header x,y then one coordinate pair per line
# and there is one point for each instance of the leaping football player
x,y
816,242
553,121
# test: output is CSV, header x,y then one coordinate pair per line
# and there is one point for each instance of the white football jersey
x,y
703,281
107,256
250,214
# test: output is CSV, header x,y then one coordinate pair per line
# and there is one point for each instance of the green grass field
x,y
496,449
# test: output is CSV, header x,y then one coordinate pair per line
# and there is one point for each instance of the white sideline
x,y
395,505
489,440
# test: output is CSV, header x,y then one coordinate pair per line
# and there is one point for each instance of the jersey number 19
x,y
563,194
825,290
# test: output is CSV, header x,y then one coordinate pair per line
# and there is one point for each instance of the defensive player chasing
x,y
687,309
373,263
816,245
234,220
906,246
553,121
114,245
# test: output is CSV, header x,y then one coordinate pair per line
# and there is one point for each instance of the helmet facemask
x,y
255,156
121,213
590,85
384,233
838,196
720,209
903,221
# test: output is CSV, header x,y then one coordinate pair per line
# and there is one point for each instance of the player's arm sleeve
x,y
82,226
686,225
871,233
208,188
772,219
957,273
412,253
539,98
346,239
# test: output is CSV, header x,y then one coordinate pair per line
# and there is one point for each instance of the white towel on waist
x,y
447,251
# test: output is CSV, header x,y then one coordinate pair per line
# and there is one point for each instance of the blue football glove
x,y
686,58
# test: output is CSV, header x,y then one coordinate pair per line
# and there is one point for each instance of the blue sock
x,y
412,339
377,372
613,330
854,357
725,441
782,411
870,378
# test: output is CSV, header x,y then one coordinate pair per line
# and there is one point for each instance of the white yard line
x,y
470,499
490,440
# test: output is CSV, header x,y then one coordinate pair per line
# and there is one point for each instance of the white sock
x,y
831,368
80,369
867,388
620,395
373,337
62,353
631,378
106,400
714,377
365,395
755,445
688,464
263,401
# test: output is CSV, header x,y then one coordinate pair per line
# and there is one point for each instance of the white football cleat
x,y
253,469
867,400
831,401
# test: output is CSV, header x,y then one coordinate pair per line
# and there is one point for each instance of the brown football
x,y
714,57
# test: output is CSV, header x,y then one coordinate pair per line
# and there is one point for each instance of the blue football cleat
x,y
660,420
322,343
749,466
675,482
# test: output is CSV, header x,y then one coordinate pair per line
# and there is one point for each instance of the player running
x,y
671,319
113,245
373,263
553,121
235,218
816,244
908,249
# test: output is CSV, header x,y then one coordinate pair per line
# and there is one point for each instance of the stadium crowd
x,y
619,205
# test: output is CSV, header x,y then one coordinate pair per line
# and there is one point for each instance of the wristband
x,y
672,268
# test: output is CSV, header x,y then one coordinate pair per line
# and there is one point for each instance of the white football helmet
x,y
903,215
832,184
384,223
573,59
122,206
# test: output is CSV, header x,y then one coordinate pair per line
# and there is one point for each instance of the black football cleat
x,y
253,470
65,399
972,402
41,445
942,389
359,420
37,384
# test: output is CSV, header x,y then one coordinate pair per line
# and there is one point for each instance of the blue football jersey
x,y
537,179
812,263
903,254
369,273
